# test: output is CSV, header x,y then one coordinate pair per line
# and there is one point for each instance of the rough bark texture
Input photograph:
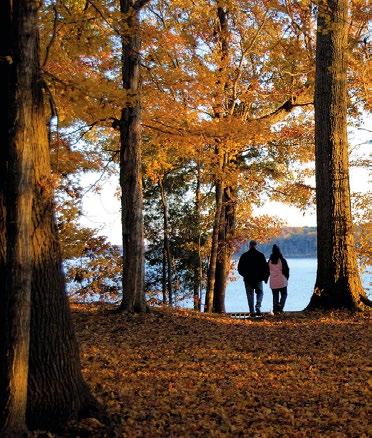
x,y
56,390
338,283
5,71
130,165
16,188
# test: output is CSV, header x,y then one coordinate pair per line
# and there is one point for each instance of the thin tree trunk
x,y
338,283
130,164
220,113
17,188
214,249
225,251
220,274
198,265
167,250
164,276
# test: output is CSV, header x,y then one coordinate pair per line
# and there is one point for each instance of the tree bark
x,y
16,191
130,164
164,276
211,279
5,71
198,272
56,391
337,283
220,274
220,113
226,234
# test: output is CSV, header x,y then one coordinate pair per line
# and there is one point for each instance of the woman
x,y
279,274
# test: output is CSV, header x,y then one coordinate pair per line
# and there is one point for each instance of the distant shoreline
x,y
294,242
237,256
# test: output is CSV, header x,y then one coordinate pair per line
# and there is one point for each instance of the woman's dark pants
x,y
278,304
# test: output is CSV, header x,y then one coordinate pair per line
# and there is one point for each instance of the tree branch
x,y
286,107
53,37
117,31
139,4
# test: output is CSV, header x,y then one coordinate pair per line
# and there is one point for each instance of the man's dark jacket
x,y
253,266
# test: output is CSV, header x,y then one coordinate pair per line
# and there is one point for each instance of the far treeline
x,y
203,109
293,242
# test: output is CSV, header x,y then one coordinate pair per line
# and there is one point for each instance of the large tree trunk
x,y
5,71
16,188
338,283
56,390
130,164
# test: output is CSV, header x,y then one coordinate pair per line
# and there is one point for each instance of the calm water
x,y
300,287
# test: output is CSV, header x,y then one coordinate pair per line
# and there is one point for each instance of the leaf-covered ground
x,y
183,374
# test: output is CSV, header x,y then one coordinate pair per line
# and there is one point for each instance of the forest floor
x,y
178,373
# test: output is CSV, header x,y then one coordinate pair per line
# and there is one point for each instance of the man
x,y
254,269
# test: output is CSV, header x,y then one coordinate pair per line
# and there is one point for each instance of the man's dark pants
x,y
250,289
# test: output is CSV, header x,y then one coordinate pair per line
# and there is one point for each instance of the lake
x,y
300,288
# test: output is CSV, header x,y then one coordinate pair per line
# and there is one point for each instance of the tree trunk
x,y
198,273
56,391
167,251
214,249
338,283
220,274
164,276
5,71
225,250
130,165
220,112
17,197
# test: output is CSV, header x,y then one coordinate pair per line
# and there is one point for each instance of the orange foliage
x,y
266,127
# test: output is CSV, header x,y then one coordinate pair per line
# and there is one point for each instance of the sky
x,y
102,210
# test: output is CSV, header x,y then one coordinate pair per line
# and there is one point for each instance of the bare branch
x,y
53,37
286,107
117,31
104,169
139,4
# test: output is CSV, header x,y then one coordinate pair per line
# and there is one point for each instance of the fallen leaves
x,y
177,373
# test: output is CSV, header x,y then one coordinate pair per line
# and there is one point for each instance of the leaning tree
x,y
40,381
338,283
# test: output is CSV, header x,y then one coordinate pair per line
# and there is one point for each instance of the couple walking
x,y
254,269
